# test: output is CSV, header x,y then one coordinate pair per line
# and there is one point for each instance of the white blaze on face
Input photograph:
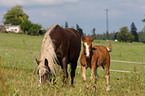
x,y
87,50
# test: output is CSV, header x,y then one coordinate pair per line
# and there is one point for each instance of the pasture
x,y
18,77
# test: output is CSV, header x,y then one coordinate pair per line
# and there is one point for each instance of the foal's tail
x,y
109,46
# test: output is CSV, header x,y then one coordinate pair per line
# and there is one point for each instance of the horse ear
x,y
92,38
37,61
83,37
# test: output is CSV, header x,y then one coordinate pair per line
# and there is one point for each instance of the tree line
x,y
124,35
16,16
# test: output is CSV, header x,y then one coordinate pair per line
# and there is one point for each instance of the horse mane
x,y
48,52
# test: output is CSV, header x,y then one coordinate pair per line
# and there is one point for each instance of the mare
x,y
59,47
93,57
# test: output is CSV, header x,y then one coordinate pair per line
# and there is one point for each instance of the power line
x,y
107,25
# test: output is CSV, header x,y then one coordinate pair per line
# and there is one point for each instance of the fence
x,y
140,63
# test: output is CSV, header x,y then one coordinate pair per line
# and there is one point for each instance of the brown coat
x,y
100,56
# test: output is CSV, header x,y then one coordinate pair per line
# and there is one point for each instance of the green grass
x,y
18,78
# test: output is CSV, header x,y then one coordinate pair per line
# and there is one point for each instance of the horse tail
x,y
109,46
48,51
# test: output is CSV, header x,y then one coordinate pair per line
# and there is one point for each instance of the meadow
x,y
18,76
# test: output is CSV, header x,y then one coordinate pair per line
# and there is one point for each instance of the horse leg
x,y
93,71
65,77
107,78
96,76
64,68
73,69
83,69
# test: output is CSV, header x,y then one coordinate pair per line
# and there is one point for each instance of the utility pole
x,y
107,25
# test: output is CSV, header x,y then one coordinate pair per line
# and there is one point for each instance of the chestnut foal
x,y
93,57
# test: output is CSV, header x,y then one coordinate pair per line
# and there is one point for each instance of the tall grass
x,y
19,78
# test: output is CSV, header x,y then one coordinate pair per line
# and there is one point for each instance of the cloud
x,y
11,2
87,14
34,2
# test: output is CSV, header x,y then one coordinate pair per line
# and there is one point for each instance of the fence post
x,y
32,57
144,67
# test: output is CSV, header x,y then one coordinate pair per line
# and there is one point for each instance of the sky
x,y
88,14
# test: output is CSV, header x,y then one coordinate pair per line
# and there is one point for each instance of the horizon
x,y
86,14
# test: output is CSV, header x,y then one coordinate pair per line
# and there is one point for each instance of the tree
x,y
43,31
25,26
34,29
66,24
141,36
79,30
130,37
124,35
15,16
134,32
107,35
93,31
31,29
143,20
115,35
143,29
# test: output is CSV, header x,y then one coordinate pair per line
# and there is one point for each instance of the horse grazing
x,y
93,57
60,46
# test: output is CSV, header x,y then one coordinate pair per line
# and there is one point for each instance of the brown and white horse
x,y
93,57
59,46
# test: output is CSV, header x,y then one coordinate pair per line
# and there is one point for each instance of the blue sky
x,y
88,14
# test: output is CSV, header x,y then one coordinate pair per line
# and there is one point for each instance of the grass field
x,y
18,78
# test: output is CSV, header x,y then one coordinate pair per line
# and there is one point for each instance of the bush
x,y
141,36
34,29
124,35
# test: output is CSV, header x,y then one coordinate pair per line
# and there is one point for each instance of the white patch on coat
x,y
39,80
84,74
87,50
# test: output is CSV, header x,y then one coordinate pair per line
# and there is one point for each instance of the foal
x,y
93,57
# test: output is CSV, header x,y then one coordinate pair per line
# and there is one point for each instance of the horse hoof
x,y
39,85
93,88
87,86
108,88
72,86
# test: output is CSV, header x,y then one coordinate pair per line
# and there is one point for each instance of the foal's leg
x,y
73,69
83,69
107,77
93,72
93,76
96,76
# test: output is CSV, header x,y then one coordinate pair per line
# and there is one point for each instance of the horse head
x,y
87,44
43,71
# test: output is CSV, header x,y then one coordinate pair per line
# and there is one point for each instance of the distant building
x,y
115,40
13,28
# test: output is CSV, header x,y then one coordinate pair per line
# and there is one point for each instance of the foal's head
x,y
43,71
87,44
